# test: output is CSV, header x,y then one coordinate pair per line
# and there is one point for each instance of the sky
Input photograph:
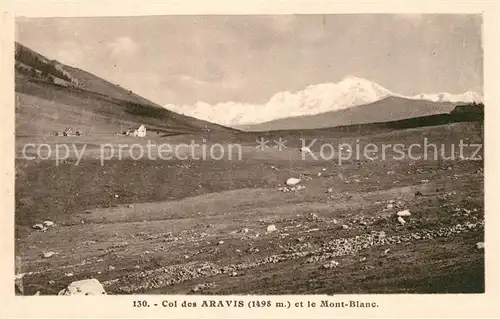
x,y
249,58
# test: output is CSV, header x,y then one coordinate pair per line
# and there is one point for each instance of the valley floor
x,y
228,227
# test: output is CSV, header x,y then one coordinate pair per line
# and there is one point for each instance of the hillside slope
x,y
51,96
386,110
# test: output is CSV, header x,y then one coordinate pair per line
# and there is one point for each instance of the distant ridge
x,y
349,92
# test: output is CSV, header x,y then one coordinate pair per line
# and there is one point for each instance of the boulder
x,y
48,254
38,226
292,181
404,213
48,223
401,220
83,287
271,228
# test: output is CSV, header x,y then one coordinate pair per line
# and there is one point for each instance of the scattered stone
x,y
404,213
335,221
245,230
271,228
319,174
238,251
111,268
292,181
200,287
84,287
253,250
52,282
312,217
382,234
38,226
233,274
48,254
331,264
70,274
345,227
48,223
323,169
390,206
480,245
221,242
20,276
401,221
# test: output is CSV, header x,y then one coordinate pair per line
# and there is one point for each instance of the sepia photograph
x,y
278,154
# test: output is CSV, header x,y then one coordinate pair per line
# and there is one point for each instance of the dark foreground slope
x,y
51,96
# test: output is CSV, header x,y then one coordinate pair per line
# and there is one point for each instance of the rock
x,y
130,206
221,242
401,221
305,150
84,287
312,217
386,251
319,174
48,223
382,234
48,254
330,190
404,213
271,228
245,230
480,245
292,181
331,264
38,226
116,195
70,274
335,221
20,276
37,293
345,227
390,206
323,169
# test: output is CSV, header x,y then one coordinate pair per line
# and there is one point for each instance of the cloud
x,y
122,46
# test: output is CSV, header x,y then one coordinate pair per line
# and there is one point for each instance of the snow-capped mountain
x,y
315,99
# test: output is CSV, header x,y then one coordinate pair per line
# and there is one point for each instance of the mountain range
x,y
317,99
51,96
